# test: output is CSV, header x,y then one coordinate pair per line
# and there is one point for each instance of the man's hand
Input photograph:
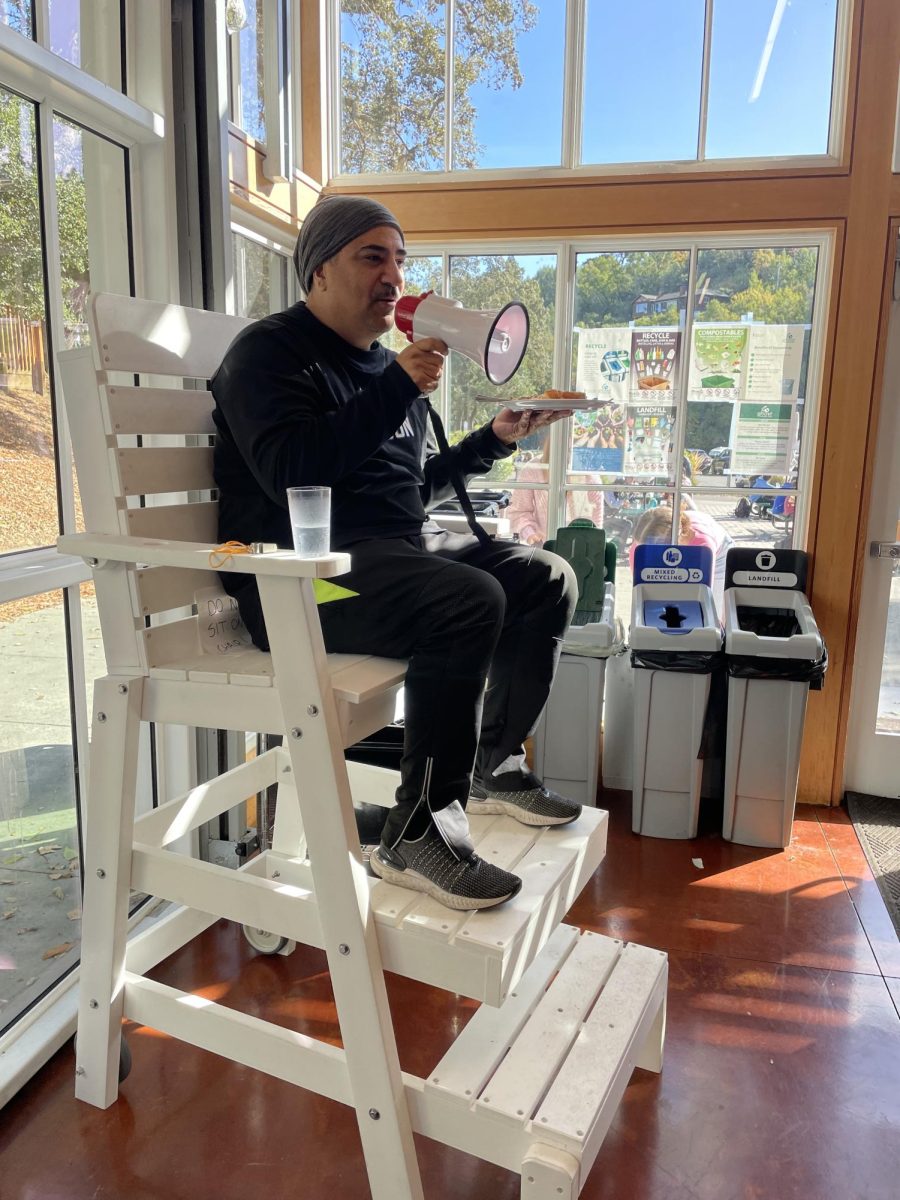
x,y
424,363
511,426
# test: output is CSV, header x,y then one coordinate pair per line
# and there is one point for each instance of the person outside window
x,y
696,528
310,396
527,511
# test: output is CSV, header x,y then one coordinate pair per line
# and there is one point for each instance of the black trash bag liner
x,y
768,622
794,670
686,662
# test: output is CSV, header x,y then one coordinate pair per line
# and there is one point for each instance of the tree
x,y
393,104
21,264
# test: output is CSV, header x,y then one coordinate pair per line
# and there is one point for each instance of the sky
x,y
643,63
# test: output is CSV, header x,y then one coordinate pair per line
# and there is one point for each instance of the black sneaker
x,y
521,794
429,865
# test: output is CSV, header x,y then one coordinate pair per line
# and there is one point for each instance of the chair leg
x,y
109,825
650,1057
549,1174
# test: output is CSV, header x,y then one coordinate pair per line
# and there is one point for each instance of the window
x,y
245,20
399,111
263,277
68,149
428,87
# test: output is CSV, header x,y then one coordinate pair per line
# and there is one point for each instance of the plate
x,y
544,403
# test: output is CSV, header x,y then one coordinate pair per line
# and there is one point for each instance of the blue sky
x,y
642,83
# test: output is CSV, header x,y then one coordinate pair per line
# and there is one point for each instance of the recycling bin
x,y
774,654
566,743
676,645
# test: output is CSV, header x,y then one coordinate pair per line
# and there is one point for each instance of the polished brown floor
x,y
781,1079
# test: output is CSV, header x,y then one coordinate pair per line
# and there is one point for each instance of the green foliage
x,y
489,282
21,268
21,261
392,78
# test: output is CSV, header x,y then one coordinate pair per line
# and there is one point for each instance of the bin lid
x,y
748,567
583,546
673,564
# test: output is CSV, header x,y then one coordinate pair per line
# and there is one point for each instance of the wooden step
x,y
549,1067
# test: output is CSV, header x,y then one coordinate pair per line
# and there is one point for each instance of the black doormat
x,y
876,820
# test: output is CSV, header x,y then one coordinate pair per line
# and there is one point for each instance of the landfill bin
x,y
774,654
566,742
676,645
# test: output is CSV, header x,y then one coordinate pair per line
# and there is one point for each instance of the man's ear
x,y
319,280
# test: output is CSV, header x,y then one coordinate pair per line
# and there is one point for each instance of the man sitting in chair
x,y
309,396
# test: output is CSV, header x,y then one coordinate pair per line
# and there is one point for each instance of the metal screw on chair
x,y
313,711
296,733
93,1004
101,874
122,689
92,562
79,1070
343,948
374,1114
101,717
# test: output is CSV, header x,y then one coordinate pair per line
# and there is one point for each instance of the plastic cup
x,y
310,512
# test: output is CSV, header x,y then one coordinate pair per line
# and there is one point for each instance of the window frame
x,y
573,115
567,251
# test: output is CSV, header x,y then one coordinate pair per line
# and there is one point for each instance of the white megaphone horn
x,y
496,340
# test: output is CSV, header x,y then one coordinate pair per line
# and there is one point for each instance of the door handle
x,y
884,549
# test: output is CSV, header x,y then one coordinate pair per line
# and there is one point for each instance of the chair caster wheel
x,y
263,941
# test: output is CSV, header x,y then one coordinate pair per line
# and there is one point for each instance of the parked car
x,y
720,460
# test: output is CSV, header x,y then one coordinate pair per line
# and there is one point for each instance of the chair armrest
x,y
166,553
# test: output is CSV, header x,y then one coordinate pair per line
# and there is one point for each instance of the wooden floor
x,y
781,1080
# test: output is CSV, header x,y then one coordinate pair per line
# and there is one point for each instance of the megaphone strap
x,y
458,486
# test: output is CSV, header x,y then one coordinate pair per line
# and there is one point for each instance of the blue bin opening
x,y
673,616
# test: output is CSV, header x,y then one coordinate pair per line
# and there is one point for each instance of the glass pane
x,y
749,363
528,508
248,111
632,52
508,84
28,506
392,86
40,894
420,275
91,197
93,222
260,277
627,347
88,34
17,15
720,521
770,78
489,282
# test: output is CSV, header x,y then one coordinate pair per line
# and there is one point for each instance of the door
x,y
873,749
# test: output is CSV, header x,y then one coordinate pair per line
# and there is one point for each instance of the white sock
x,y
515,762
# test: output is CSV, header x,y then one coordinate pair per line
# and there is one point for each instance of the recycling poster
x,y
634,372
761,438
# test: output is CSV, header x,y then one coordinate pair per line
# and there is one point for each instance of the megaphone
x,y
496,340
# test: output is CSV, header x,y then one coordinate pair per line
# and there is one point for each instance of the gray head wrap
x,y
330,225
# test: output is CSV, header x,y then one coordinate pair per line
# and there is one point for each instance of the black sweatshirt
x,y
297,405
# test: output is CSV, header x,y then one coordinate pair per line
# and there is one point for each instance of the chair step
x,y
549,1067
483,954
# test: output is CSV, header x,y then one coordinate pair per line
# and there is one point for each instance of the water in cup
x,y
311,541
310,512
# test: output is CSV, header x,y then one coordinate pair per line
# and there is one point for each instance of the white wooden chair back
x,y
140,413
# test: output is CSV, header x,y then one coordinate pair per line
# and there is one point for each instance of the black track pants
x,y
463,614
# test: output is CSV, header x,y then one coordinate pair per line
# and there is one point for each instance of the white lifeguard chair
x,y
534,1079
